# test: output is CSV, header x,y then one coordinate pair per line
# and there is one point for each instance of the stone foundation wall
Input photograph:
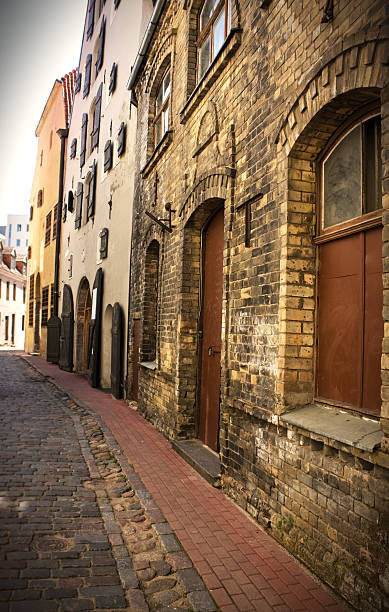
x,y
326,503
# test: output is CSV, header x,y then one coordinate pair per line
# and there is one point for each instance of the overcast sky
x,y
40,41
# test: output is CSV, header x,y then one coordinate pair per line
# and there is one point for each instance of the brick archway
x,y
298,251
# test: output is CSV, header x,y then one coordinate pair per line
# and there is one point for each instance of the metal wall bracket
x,y
166,224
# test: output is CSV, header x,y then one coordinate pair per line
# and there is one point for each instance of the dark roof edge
x,y
145,43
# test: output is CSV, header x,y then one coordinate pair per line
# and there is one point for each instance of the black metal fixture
x,y
328,12
166,224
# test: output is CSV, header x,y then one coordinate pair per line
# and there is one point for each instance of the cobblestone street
x,y
86,524
73,533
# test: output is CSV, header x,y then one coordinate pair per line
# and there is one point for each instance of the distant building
x,y
3,232
17,233
12,297
44,216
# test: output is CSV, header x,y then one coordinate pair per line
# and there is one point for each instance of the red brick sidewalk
x,y
242,566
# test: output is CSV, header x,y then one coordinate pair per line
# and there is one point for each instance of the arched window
x,y
162,103
150,303
350,325
214,25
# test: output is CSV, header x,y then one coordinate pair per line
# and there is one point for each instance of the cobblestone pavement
x,y
78,528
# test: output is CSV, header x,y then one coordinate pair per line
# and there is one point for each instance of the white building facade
x,y
17,233
98,196
12,298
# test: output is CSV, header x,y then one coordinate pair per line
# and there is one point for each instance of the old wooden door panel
x,y
117,351
67,330
95,330
374,325
135,359
340,316
211,327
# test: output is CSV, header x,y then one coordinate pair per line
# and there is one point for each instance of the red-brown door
x,y
211,328
350,325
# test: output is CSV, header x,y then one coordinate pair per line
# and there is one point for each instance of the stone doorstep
x,y
201,458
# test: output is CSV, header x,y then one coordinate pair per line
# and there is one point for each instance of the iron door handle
x,y
211,351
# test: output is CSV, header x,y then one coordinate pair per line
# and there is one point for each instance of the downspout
x,y
145,42
63,134
54,323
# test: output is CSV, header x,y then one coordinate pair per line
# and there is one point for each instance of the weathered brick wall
x,y
253,130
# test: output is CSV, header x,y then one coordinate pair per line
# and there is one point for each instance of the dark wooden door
x,y
117,351
350,326
13,329
67,331
95,330
135,359
211,328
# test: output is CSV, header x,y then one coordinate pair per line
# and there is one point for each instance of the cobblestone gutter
x,y
155,572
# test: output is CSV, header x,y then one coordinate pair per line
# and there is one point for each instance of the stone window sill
x,y
157,153
331,424
231,43
149,365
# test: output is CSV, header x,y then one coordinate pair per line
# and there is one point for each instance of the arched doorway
x,y
336,284
84,312
67,330
105,380
211,327
37,314
202,292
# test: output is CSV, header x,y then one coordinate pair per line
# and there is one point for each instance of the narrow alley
x,y
98,512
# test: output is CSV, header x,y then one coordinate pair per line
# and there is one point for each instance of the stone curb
x,y
188,578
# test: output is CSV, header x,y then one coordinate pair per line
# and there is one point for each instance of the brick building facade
x,y
262,152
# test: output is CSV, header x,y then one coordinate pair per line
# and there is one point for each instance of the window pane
x,y
218,33
158,129
229,16
342,180
204,57
166,85
166,120
206,13
158,103
372,162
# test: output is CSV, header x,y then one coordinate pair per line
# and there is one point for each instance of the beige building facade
x,y
44,214
98,195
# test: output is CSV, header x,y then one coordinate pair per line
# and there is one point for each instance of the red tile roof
x,y
68,82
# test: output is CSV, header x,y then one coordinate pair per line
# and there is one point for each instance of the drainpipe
x,y
63,134
54,323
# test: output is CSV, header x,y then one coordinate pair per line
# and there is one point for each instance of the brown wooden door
x,y
135,359
350,326
211,328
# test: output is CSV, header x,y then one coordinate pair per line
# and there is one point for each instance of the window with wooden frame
x,y
91,19
55,221
52,299
48,229
162,103
87,77
350,292
77,85
39,202
73,148
214,25
14,292
7,291
45,306
31,302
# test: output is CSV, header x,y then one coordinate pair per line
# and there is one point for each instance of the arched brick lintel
x,y
363,64
216,184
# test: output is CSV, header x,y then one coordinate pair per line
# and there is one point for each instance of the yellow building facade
x,y
44,214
